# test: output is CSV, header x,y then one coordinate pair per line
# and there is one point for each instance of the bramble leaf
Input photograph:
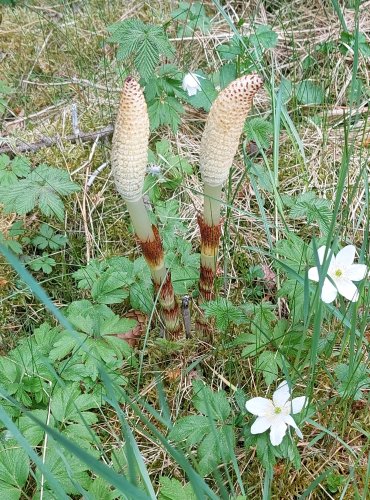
x,y
143,43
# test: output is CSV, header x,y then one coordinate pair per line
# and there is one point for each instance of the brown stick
x,y
21,146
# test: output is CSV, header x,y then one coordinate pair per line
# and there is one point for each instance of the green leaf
x,y
228,73
208,453
21,166
354,381
263,176
71,473
211,404
224,312
108,288
143,43
264,37
296,252
204,97
308,92
11,170
259,130
192,16
314,209
83,436
230,51
101,490
13,245
165,110
264,451
191,429
43,263
31,431
266,362
86,276
216,448
69,405
286,90
41,188
261,321
47,238
172,489
14,470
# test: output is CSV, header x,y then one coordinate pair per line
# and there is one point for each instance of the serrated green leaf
x,y
86,276
224,312
266,362
259,130
44,263
71,473
211,404
101,490
215,449
108,288
41,188
69,405
31,431
172,489
142,42
191,429
264,37
21,166
14,470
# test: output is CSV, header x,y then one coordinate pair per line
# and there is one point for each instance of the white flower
x,y
276,414
191,83
342,272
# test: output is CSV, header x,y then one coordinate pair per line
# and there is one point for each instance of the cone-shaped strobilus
x,y
129,162
219,144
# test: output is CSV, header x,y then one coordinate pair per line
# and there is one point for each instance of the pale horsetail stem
x,y
129,161
219,144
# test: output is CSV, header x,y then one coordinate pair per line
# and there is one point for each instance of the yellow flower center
x,y
338,273
277,410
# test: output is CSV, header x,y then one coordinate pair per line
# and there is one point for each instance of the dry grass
x,y
55,56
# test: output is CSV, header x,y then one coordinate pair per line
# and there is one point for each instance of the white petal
x,y
313,274
298,404
356,272
191,83
277,432
329,292
346,256
321,252
329,256
259,406
260,425
347,289
191,91
282,394
290,421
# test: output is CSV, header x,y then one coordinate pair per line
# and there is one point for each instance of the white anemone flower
x,y
276,414
191,83
342,272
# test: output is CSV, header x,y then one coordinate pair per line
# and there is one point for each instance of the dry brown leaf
x,y
133,336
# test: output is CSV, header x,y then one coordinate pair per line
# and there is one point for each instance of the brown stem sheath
x,y
210,239
154,256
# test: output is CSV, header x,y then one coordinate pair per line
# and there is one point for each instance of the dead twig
x,y
21,146
74,81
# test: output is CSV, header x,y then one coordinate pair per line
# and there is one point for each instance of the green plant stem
x,y
152,249
212,204
140,220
